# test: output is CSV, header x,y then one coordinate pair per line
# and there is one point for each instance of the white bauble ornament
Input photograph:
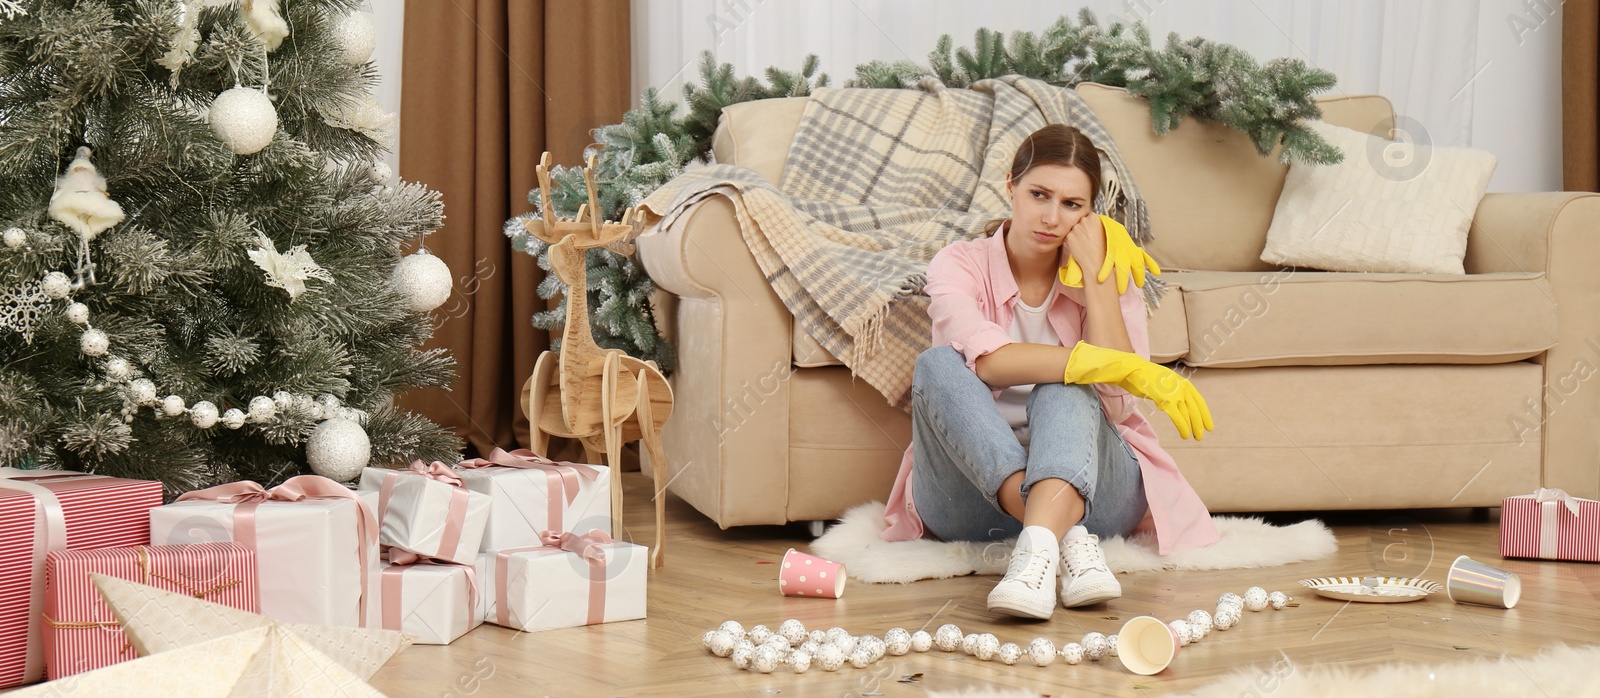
x,y
793,630
144,392
829,657
1255,598
244,119
1095,646
1278,600
1230,598
172,405
1111,645
1072,653
233,418
283,400
986,647
861,658
16,237
921,641
1226,617
877,646
424,280
1041,651
765,660
354,35
380,172
897,641
969,643
721,643
743,652
818,636
56,285
947,638
800,661
836,633
846,644
1201,622
809,647
203,414
758,634
1008,654
1183,631
262,408
94,343
705,640
118,369
338,450
78,313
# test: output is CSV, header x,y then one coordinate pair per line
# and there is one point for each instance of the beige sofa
x,y
1330,390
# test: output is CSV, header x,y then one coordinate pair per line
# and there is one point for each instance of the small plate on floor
x,y
1372,589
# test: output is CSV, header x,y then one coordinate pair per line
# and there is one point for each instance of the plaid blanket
x,y
876,183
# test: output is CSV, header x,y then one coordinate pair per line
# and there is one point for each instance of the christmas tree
x,y
202,269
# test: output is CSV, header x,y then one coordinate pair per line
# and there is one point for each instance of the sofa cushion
x,y
1210,194
1312,318
757,134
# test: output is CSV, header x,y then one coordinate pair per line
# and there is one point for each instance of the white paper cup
x,y
1146,645
1474,582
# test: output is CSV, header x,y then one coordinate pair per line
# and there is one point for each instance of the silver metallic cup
x,y
1474,582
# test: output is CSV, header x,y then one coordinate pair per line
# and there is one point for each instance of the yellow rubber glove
x,y
1173,393
1121,253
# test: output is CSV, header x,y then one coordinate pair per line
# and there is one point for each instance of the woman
x,y
1023,415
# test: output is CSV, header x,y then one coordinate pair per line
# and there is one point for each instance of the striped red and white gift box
x,y
80,632
99,512
1559,527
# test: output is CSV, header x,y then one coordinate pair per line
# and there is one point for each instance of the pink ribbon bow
x,y
437,471
561,485
247,495
586,546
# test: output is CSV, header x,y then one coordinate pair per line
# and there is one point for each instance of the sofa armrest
x,y
727,444
1557,233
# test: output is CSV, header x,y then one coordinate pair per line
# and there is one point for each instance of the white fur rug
x,y
1555,671
1246,542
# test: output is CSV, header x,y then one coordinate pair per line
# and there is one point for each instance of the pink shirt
x,y
973,293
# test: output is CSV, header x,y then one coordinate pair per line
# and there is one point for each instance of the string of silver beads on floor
x,y
764,650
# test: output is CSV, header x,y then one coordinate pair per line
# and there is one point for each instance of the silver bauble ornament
x,y
338,450
203,414
424,280
56,285
16,237
143,391
244,120
78,313
233,418
94,343
118,369
355,36
172,405
282,399
262,408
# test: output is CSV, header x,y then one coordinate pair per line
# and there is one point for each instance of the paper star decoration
x,y
289,270
194,648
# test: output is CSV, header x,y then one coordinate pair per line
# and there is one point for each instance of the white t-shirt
x,y
1030,325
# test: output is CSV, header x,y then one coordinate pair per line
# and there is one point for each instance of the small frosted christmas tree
x,y
202,276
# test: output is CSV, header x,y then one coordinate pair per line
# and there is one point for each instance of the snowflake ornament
x,y
21,308
290,270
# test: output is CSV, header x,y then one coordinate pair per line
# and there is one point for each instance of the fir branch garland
x,y
1187,78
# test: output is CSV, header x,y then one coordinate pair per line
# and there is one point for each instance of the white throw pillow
x,y
1389,207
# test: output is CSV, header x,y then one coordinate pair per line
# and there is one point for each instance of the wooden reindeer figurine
x,y
601,397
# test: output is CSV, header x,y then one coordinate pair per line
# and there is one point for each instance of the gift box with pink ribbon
x,y
80,632
570,580
42,511
435,601
533,494
1550,525
315,541
428,510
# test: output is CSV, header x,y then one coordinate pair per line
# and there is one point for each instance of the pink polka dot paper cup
x,y
808,575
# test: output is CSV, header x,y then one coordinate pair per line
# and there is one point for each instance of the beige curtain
x,y
1580,90
488,86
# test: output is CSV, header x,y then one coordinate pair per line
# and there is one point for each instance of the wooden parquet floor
x,y
714,575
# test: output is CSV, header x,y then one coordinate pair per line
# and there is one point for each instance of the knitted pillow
x,y
1388,207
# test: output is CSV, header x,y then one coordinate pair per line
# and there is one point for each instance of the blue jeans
x,y
964,450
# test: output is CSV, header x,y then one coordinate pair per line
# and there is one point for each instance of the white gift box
x,y
309,554
434,603
548,588
427,516
527,501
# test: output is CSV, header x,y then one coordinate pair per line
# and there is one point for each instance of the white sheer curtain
x,y
1424,55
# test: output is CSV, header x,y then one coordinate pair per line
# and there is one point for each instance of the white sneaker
x,y
1030,577
1085,578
